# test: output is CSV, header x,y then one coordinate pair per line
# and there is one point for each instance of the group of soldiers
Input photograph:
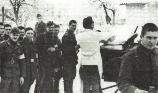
x,y
15,58
27,55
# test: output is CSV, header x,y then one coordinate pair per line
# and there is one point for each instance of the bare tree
x,y
105,6
18,11
16,4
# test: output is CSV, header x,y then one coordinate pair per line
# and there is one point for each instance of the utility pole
x,y
3,14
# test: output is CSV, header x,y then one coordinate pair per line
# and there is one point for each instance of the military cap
x,y
15,31
39,15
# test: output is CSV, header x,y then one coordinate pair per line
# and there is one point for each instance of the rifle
x,y
129,43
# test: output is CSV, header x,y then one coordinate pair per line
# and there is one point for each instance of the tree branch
x,y
100,1
110,9
22,0
17,5
9,17
29,5
11,2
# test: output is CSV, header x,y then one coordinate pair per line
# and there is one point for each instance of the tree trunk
x,y
113,16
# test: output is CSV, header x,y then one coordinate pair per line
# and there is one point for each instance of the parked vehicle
x,y
111,56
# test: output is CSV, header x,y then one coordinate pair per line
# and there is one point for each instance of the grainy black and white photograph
x,y
78,46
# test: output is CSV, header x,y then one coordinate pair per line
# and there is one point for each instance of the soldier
x,y
69,57
12,65
1,31
58,70
139,67
22,33
48,46
40,26
30,57
7,28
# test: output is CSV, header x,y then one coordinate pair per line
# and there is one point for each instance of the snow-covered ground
x,y
77,85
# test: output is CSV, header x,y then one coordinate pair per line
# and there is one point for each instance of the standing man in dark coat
x,y
69,56
139,67
22,33
57,73
40,26
49,52
30,57
7,28
12,65
1,31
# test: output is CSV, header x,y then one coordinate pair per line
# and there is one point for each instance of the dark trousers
x,y
68,76
46,82
56,86
68,86
30,77
10,85
91,79
57,77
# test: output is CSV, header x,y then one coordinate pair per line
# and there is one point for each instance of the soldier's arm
x,y
22,65
39,43
77,47
59,44
44,27
105,37
36,28
57,51
125,75
0,65
1,48
38,48
33,53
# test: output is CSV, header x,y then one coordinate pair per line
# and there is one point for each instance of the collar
x,y
87,30
68,32
146,51
32,39
40,22
50,35
10,42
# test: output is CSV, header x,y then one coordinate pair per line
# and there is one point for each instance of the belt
x,y
89,66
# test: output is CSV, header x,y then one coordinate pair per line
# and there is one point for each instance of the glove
x,y
21,80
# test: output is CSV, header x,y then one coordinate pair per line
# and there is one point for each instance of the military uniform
x,y
139,70
5,37
30,57
1,38
12,66
48,61
40,28
20,40
69,60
